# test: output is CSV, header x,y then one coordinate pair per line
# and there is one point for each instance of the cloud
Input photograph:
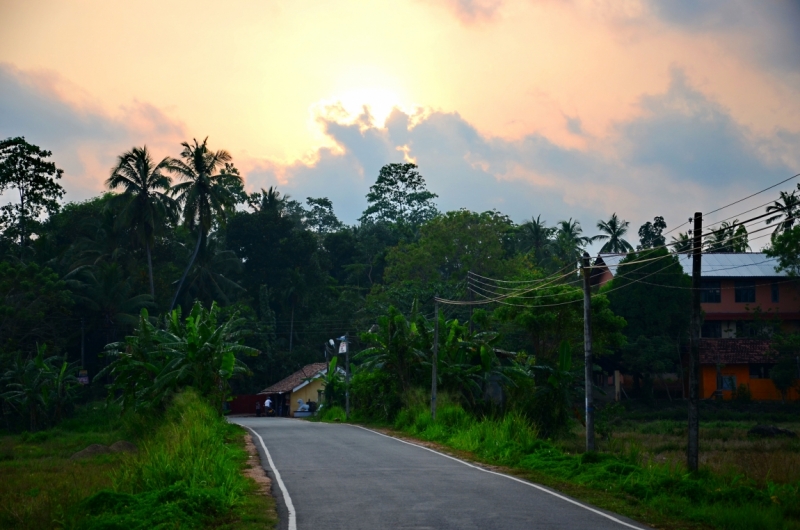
x,y
683,151
84,138
766,30
688,137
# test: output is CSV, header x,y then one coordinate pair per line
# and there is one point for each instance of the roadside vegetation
x,y
177,283
639,470
187,472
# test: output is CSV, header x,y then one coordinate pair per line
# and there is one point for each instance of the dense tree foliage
x,y
160,284
651,292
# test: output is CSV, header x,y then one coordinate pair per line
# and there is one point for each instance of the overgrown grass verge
x,y
188,474
665,494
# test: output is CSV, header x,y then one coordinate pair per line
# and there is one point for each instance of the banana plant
x,y
197,351
39,386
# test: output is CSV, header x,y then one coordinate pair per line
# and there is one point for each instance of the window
x,y
760,371
729,382
745,291
710,293
776,293
711,330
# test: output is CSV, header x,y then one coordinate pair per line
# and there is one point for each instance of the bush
x,y
334,413
742,394
375,396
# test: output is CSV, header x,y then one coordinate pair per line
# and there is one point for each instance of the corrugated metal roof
x,y
721,265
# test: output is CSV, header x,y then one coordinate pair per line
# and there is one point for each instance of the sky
x,y
559,108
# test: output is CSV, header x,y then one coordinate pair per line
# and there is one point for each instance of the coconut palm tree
x,y
729,237
787,207
268,200
682,243
570,241
146,203
613,230
206,194
210,278
536,237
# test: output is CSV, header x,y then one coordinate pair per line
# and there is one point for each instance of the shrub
x,y
375,396
742,394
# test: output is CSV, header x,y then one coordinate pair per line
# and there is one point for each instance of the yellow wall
x,y
307,393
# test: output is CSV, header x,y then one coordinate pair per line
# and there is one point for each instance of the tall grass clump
x,y
503,440
184,476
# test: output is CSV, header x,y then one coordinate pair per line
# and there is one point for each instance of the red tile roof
x,y
294,380
735,351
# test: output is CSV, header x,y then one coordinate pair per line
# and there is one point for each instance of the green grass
x,y
39,483
625,481
187,474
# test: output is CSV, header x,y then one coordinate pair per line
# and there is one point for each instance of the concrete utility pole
x,y
83,343
587,351
693,445
471,307
347,379
435,361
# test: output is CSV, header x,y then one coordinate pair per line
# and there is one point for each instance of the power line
x,y
754,194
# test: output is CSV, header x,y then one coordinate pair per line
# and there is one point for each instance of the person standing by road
x,y
258,408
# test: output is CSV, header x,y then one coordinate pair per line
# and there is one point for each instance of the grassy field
x,y
658,436
186,474
744,483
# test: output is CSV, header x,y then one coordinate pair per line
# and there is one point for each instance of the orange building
x,y
743,298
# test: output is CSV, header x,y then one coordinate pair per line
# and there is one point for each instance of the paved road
x,y
342,476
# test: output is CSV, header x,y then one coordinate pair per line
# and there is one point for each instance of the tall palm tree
x,y
613,230
536,237
682,244
268,200
787,207
210,278
570,241
206,194
147,204
729,237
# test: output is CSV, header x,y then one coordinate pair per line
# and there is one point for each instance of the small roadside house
x,y
305,384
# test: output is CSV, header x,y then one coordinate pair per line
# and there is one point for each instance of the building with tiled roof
x,y
305,384
743,296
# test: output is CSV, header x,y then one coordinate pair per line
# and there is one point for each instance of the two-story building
x,y
743,299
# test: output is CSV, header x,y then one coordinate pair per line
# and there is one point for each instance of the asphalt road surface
x,y
333,476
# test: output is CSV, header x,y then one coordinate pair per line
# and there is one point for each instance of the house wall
x,y
789,299
760,389
307,393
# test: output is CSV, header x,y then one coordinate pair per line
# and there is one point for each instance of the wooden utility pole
x,y
587,351
435,361
693,445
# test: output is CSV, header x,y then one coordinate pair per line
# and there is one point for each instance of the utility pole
x,y
347,379
471,307
83,347
587,351
693,445
435,361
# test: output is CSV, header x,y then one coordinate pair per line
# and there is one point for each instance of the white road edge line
x,y
286,498
515,479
